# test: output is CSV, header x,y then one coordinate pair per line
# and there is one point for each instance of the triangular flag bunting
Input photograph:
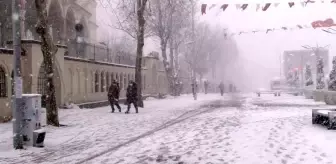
x,y
224,6
212,6
299,26
276,4
244,6
258,7
266,6
291,4
284,28
238,6
203,9
303,4
268,30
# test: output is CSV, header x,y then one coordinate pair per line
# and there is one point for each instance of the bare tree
x,y
130,15
164,16
49,50
179,26
141,7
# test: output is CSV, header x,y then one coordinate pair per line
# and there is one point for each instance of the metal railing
x,y
99,53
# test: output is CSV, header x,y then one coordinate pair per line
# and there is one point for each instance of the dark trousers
x,y
112,103
222,92
129,106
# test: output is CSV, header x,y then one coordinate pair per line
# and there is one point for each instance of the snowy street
x,y
229,130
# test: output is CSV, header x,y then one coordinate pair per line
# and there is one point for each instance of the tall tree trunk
x,y
166,65
141,4
172,66
48,50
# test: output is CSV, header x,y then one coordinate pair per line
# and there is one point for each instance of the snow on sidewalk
x,y
89,131
278,135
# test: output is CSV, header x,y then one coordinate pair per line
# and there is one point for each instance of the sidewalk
x,y
90,131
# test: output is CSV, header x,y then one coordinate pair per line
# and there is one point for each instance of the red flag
x,y
203,9
224,6
326,23
291,4
266,6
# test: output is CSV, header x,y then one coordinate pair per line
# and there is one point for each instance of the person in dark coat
x,y
221,88
113,95
206,86
131,96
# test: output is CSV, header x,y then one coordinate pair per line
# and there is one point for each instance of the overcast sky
x,y
261,48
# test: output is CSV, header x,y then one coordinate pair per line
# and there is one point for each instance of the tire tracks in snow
x,y
186,115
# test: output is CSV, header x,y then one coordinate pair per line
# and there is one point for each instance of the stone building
x,y
83,71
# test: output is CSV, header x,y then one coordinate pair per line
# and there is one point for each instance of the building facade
x,y
77,80
82,70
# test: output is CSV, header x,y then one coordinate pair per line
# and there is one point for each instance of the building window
x,y
144,82
121,81
107,80
96,82
12,82
3,82
125,81
117,78
102,81
112,77
41,85
129,77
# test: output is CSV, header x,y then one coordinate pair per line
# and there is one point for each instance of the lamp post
x,y
17,107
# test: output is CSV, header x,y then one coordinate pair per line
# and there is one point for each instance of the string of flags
x,y
258,6
328,23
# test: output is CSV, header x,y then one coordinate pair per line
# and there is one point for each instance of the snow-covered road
x,y
235,129
276,132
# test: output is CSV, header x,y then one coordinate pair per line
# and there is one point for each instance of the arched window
x,y
121,81
107,81
78,74
42,84
125,82
12,82
3,82
102,81
112,77
96,82
144,82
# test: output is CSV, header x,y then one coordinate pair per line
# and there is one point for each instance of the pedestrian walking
x,y
113,95
206,86
194,90
131,96
221,88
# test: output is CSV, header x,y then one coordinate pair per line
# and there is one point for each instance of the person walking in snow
x,y
131,96
113,95
221,88
206,85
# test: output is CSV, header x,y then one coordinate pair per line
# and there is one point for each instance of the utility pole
x,y
17,107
